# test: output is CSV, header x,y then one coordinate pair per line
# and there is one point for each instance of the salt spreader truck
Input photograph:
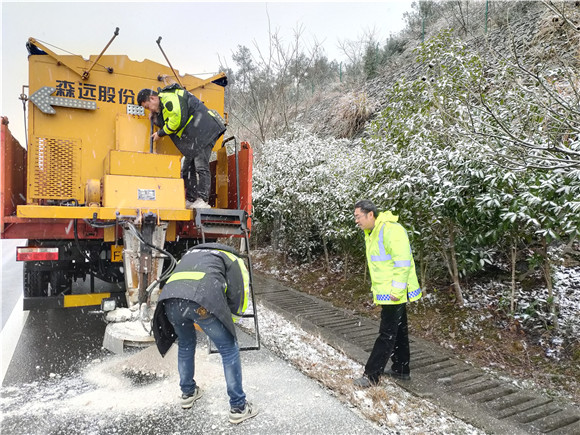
x,y
99,203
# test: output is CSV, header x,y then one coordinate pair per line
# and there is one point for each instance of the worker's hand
x,y
155,136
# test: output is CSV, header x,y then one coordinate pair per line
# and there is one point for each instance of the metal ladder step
x,y
221,222
226,222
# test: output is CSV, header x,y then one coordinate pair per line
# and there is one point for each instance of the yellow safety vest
x,y
391,264
174,122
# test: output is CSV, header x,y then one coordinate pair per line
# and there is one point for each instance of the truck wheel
x,y
60,281
35,281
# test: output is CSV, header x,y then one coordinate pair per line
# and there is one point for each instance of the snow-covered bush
x,y
304,190
434,157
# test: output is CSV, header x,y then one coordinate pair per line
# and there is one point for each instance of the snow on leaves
x,y
440,155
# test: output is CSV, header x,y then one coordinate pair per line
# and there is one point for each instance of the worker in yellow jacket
x,y
394,283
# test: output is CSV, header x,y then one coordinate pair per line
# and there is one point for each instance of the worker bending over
x,y
209,287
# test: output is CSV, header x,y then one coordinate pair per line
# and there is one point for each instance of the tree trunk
x,y
454,268
513,296
423,272
326,254
366,268
276,233
548,275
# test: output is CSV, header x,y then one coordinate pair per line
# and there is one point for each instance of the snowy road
x,y
61,381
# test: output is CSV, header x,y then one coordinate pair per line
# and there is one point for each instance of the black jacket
x,y
223,289
194,126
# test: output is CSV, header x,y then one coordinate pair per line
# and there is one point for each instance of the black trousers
x,y
194,167
392,342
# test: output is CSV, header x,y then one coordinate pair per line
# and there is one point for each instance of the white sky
x,y
195,35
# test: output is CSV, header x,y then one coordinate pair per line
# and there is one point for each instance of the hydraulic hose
x,y
173,261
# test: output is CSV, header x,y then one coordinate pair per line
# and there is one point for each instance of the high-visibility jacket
x,y
214,276
186,120
391,264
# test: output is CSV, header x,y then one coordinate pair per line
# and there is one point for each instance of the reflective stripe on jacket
x,y
391,264
187,121
175,112
214,276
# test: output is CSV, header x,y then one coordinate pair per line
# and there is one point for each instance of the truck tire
x,y
60,280
35,281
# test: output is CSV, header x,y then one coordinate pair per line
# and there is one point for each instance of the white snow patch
x,y
395,408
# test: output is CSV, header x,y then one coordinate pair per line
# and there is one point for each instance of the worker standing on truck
x,y
193,128
209,287
394,282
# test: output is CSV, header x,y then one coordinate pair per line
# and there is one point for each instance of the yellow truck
x,y
94,196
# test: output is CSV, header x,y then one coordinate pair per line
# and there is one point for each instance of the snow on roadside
x,y
530,306
388,405
567,285
101,390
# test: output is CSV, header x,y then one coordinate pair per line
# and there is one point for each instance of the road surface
x,y
61,381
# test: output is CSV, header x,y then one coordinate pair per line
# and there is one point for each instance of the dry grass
x,y
350,113
558,35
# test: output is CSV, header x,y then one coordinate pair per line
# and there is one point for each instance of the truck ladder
x,y
224,222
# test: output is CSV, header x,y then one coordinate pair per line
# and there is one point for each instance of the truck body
x,y
93,196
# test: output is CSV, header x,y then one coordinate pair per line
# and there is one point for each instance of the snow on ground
x,y
567,284
100,389
388,405
101,401
530,306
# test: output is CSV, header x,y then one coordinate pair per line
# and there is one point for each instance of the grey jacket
x,y
220,289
